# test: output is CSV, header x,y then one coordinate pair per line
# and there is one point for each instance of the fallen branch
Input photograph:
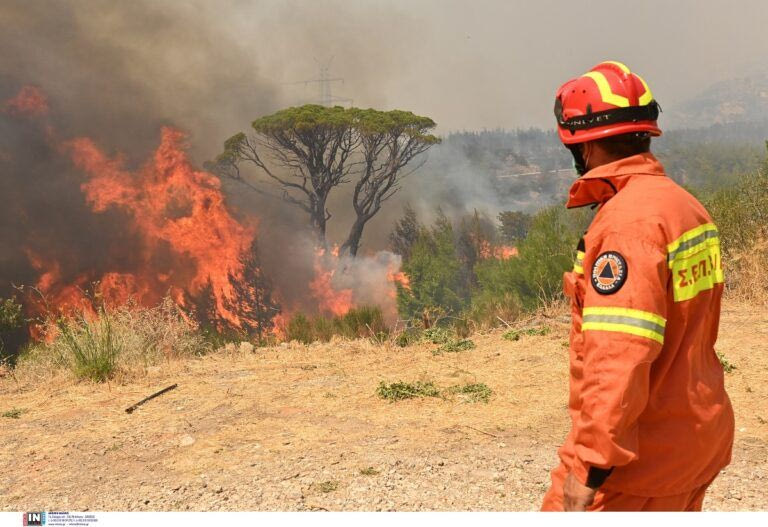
x,y
130,409
481,431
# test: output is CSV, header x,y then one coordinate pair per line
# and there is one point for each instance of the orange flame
x,y
336,302
183,242
504,252
174,209
501,252
399,277
30,101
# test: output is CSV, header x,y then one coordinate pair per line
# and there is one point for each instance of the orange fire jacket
x,y
646,388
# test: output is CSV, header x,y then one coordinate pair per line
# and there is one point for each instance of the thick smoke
x,y
119,71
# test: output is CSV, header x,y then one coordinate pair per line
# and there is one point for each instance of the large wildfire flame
x,y
180,240
175,210
184,241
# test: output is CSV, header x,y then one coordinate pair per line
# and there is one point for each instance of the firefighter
x,y
651,423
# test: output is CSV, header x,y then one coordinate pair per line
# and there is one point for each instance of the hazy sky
x,y
213,66
497,63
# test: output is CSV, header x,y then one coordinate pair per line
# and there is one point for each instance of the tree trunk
x,y
319,219
352,244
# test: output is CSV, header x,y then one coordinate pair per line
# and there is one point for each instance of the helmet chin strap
x,y
579,163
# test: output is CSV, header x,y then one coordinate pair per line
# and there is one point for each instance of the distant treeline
x,y
457,276
497,170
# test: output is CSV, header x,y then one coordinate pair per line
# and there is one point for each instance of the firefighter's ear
x,y
587,149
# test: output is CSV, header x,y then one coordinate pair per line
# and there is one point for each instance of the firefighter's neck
x,y
595,155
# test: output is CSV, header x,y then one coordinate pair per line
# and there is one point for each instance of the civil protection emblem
x,y
609,273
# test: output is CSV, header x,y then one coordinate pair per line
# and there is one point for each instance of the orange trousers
x,y
617,501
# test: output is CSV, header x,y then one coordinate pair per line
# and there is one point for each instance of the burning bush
x,y
124,340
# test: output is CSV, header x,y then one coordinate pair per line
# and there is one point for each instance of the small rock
x,y
219,489
187,440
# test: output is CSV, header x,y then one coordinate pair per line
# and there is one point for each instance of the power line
x,y
324,83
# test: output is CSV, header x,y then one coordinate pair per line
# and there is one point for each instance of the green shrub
x,y
92,344
535,276
11,315
216,339
489,307
462,328
323,329
365,321
437,335
398,391
435,275
515,334
408,337
728,367
299,328
740,211
14,413
455,346
473,393
14,333
327,486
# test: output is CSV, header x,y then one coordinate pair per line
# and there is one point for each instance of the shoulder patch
x,y
609,273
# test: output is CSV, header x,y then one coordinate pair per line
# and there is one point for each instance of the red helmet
x,y
607,100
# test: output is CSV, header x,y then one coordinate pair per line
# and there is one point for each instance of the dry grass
x,y
266,430
745,274
120,344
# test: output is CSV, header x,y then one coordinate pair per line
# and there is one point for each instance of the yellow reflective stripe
x,y
605,90
683,242
623,67
623,328
626,312
697,272
577,266
695,262
647,96
624,320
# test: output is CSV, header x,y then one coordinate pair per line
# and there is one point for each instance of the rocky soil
x,y
302,428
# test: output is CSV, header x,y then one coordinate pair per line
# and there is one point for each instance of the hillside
x,y
734,100
301,428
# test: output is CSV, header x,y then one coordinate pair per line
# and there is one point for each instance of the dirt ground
x,y
301,428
